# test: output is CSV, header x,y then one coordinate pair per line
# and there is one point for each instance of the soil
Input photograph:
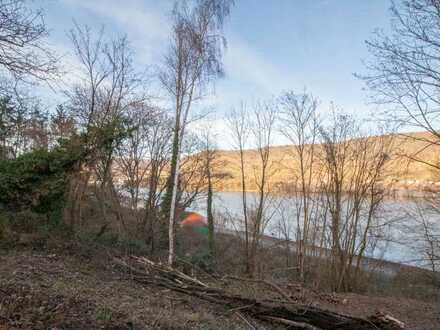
x,y
58,289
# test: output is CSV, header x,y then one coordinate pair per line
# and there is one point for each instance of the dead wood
x,y
300,325
387,321
146,272
270,284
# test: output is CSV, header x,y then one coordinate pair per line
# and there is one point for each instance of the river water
x,y
398,235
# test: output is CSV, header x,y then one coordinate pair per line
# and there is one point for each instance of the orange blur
x,y
193,219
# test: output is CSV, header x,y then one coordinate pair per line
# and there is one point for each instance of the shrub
x,y
37,181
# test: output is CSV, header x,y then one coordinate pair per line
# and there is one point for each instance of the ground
x,y
59,289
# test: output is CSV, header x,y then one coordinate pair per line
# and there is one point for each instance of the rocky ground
x,y
58,289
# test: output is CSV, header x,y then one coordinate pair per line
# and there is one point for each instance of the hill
x,y
401,172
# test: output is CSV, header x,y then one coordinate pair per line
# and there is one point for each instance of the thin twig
x,y
245,320
301,325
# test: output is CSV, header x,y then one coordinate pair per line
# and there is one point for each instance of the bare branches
x,y
254,129
300,125
109,84
353,190
107,89
239,126
405,76
192,63
24,52
405,71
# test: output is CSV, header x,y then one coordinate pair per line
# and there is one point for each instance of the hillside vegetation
x,y
402,172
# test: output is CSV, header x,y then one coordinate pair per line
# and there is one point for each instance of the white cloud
x,y
144,23
133,14
245,65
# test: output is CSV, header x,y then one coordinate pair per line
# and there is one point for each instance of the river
x,y
396,231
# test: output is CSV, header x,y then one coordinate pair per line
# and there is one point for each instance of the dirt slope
x,y
54,290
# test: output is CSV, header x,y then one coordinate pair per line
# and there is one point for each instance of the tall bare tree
x,y
107,86
404,71
238,122
214,173
354,191
262,128
159,135
193,61
404,75
299,124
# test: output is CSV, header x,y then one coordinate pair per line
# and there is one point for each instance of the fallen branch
x,y
300,325
270,284
147,272
245,321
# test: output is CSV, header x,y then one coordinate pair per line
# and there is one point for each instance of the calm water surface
x,y
396,242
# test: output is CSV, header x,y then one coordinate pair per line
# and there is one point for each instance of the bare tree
x,y
24,51
252,133
404,72
262,129
62,124
107,87
238,123
214,174
404,75
141,160
299,124
132,152
353,189
192,62
285,227
159,136
193,174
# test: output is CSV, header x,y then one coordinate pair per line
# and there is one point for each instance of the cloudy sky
x,y
272,45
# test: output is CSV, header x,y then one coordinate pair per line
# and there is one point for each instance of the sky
x,y
273,46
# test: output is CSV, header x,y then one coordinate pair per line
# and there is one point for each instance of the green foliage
x,y
106,137
6,117
37,180
201,259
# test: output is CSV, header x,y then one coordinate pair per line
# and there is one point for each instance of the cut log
x,y
146,272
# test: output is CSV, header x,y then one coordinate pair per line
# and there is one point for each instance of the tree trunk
x,y
172,219
210,217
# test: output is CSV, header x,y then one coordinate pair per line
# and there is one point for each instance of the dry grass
x,y
52,289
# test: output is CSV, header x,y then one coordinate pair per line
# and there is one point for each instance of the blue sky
x,y
272,45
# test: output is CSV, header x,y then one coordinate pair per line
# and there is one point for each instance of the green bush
x,y
36,181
